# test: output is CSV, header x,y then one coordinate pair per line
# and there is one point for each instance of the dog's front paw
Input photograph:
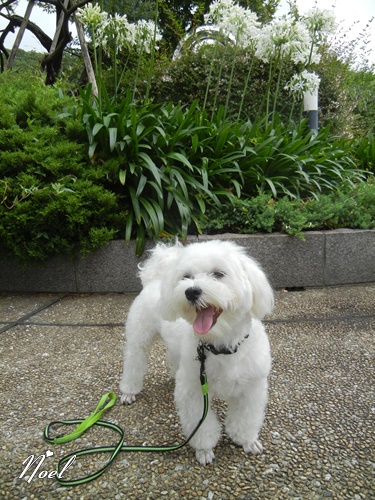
x,y
255,448
127,399
204,457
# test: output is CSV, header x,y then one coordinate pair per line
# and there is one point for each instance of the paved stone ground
x,y
59,354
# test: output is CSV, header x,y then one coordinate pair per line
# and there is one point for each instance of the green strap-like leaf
x,y
135,205
181,158
150,165
112,138
122,177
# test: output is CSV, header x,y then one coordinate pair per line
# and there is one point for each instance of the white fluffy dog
x,y
209,292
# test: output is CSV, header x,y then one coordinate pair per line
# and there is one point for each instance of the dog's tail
x,y
161,258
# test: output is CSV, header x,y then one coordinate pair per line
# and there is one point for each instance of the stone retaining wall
x,y
325,258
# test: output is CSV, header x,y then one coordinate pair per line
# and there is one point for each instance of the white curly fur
x,y
213,292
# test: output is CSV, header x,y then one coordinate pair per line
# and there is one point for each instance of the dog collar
x,y
223,349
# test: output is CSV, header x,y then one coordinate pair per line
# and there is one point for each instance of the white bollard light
x,y
310,106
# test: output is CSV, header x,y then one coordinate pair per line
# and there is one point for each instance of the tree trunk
x,y
20,34
53,60
86,57
59,26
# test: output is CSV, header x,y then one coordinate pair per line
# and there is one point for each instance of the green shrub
x,y
26,99
52,199
186,79
346,97
69,217
363,151
350,207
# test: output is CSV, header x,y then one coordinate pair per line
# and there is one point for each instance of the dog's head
x,y
215,286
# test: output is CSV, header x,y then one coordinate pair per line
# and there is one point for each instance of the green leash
x,y
94,419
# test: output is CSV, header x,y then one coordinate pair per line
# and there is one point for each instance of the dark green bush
x,y
26,99
185,80
350,207
346,97
63,218
363,151
52,199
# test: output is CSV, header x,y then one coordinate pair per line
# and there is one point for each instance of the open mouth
x,y
206,319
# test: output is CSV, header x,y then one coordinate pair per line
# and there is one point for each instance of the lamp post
x,y
310,106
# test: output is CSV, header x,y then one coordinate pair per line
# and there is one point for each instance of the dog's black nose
x,y
193,293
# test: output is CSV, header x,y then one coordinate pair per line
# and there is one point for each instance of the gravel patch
x,y
318,434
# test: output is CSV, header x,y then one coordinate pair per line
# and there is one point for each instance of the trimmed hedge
x,y
352,207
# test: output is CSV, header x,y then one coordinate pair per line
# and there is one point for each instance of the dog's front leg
x,y
140,331
134,369
190,404
245,416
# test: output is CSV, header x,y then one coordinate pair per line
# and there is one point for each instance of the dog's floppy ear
x,y
161,258
262,299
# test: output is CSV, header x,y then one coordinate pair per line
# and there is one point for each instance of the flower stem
x,y
152,61
136,80
230,81
277,90
210,77
245,87
216,91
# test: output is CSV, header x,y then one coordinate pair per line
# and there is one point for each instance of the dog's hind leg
x,y
141,328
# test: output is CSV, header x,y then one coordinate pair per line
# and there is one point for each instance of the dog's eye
x,y
187,277
218,275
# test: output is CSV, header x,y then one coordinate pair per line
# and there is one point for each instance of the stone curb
x,y
325,258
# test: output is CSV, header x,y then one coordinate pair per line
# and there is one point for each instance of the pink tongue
x,y
204,320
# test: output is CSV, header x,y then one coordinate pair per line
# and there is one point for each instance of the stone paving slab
x,y
318,434
15,306
88,309
344,302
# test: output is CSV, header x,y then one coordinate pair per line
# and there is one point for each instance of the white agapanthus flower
x,y
232,18
144,36
303,82
320,22
285,38
91,16
116,33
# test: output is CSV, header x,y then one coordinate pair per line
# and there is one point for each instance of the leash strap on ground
x,y
94,419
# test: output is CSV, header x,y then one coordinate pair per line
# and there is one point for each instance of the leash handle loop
x,y
83,424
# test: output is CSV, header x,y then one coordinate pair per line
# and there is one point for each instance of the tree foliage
x,y
178,17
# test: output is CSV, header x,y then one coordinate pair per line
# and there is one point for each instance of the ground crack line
x,y
22,320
